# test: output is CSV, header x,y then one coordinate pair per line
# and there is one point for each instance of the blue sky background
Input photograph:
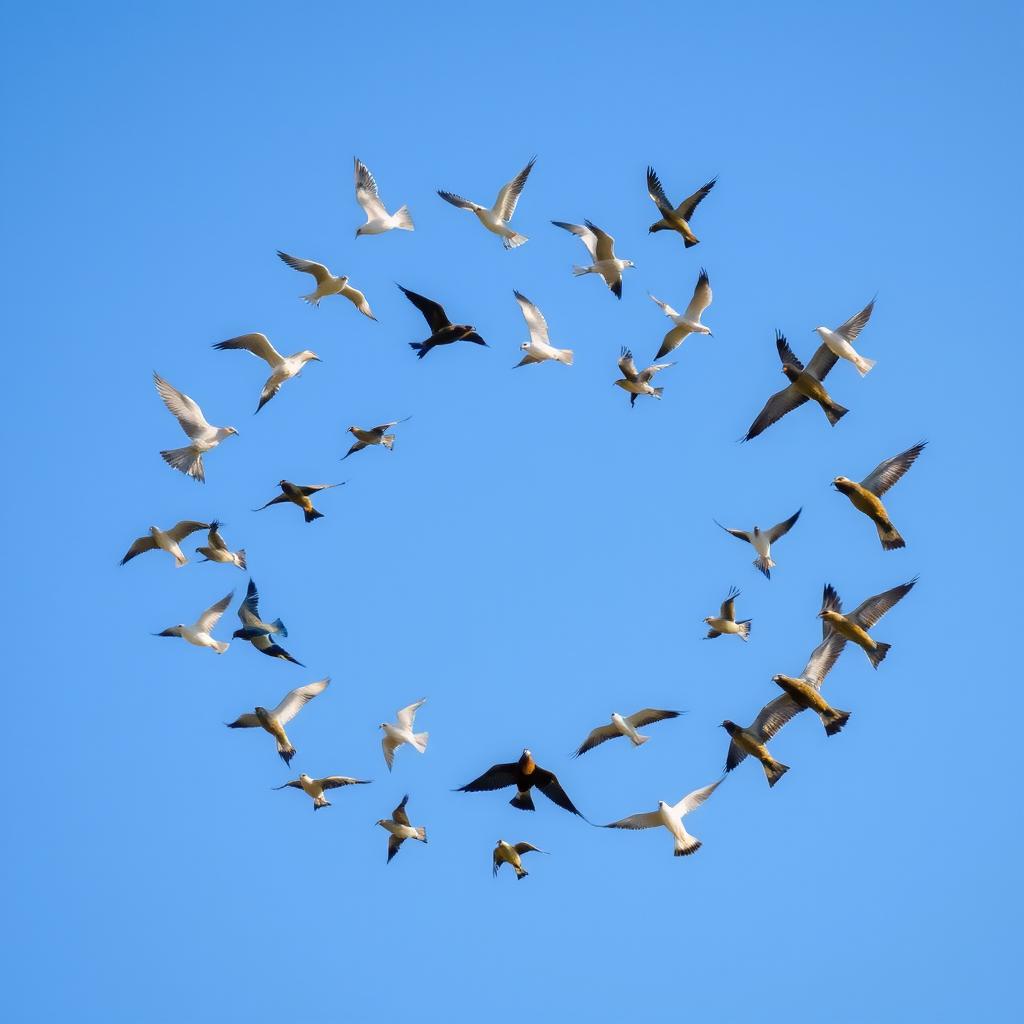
x,y
534,554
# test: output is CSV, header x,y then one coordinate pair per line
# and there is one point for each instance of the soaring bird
x,y
165,540
687,322
638,382
840,341
803,384
400,829
511,853
751,741
539,349
524,774
275,721
259,632
675,218
282,368
378,220
442,330
762,540
855,626
671,817
189,460
216,549
725,620
375,435
866,496
625,725
327,284
299,494
315,788
601,247
497,217
199,633
397,733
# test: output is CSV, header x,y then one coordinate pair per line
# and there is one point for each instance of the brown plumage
x,y
299,494
524,774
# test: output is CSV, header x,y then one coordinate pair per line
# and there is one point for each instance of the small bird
x,y
725,621
378,220
282,367
395,734
216,549
638,382
840,340
751,741
165,540
524,774
257,631
866,496
327,284
601,247
316,787
199,632
511,853
497,217
538,349
625,726
855,626
671,817
675,218
275,721
443,331
400,829
762,540
189,460
375,435
687,322
803,384
298,494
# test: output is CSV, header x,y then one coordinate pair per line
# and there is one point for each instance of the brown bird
x,y
751,741
855,626
511,853
298,494
315,787
273,721
375,435
442,330
675,218
524,774
866,496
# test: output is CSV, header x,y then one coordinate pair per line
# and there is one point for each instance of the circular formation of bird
x,y
804,383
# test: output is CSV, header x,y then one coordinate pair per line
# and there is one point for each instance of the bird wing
x,y
407,715
258,344
596,737
249,609
433,312
868,612
394,843
701,298
821,362
534,318
786,354
214,539
693,800
457,200
505,204
781,529
645,375
657,192
886,473
831,602
294,784
852,327
781,403
522,848
399,815
822,658
498,776
626,365
773,716
664,306
604,243
182,408
337,781
294,701
139,545
389,746
212,615
649,819
318,270
181,530
547,782
649,716
690,203
740,534
584,234
728,609
308,489
273,501
366,192
246,721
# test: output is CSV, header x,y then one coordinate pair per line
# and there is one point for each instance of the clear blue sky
x,y
534,554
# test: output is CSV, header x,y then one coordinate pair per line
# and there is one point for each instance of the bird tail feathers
x,y
419,741
515,241
744,628
403,219
286,752
220,646
521,873
313,514
388,440
580,271
878,654
280,627
686,846
240,556
835,721
640,740
321,801
565,356
864,365
658,392
764,564
835,412
889,536
185,460
312,298
421,834
774,770
524,801
419,348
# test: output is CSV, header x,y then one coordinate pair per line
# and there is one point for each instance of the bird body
x,y
839,340
375,435
398,733
511,853
725,621
539,349
627,726
282,368
762,540
216,549
638,382
399,828
810,387
810,699
443,331
856,624
165,540
524,774
601,247
273,721
204,437
199,633
687,322
299,494
327,284
670,816
675,218
259,632
315,787
378,220
496,218
746,742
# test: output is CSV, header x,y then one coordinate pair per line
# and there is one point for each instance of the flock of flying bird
x,y
804,383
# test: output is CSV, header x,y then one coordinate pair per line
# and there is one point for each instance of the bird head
x,y
239,634
173,631
628,263
381,822
352,430
304,777
729,726
776,677
383,725
707,619
840,482
829,615
525,345
820,331
231,430
262,714
790,371
359,231
527,752
281,483
661,803
309,356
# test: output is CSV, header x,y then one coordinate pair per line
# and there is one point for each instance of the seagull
x,y
840,340
189,460
400,829
675,218
378,220
275,721
282,367
538,349
855,626
315,787
601,247
327,284
496,219
257,631
762,540
198,633
218,551
298,494
511,853
803,384
375,435
725,621
165,540
671,817
638,382
625,726
687,322
442,330
395,734
524,774
866,496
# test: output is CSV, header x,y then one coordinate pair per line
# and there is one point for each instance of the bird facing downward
x,y
762,540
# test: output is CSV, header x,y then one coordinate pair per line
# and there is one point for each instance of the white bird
x,y
538,349
316,787
400,828
327,284
671,817
282,367
762,540
497,217
199,633
625,725
838,341
274,721
375,435
378,220
638,382
601,247
395,734
687,322
217,550
165,540
205,438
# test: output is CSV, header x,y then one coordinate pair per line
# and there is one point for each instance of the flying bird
x,y
511,853
299,494
275,721
165,540
315,788
442,330
378,220
625,725
751,741
282,368
497,217
601,247
327,284
675,218
199,633
687,322
216,549
840,341
400,829
725,621
189,460
259,632
375,435
866,496
762,540
855,626
397,733
638,382
524,774
538,349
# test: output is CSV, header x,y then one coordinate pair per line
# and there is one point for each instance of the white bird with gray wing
x,y
204,436
282,367
539,348
378,220
497,217
687,322
840,340
398,733
327,284
670,816
165,540
199,633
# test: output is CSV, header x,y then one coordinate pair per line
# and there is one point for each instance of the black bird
x,y
443,331
524,774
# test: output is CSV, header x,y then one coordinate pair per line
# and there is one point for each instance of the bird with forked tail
x,y
855,626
